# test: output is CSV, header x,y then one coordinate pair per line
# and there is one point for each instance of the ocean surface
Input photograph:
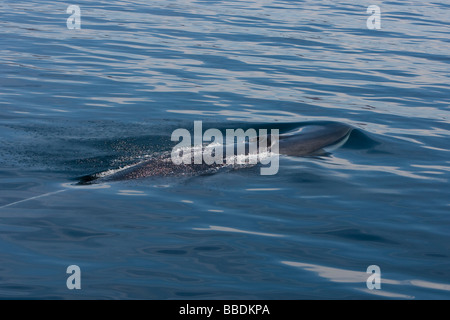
x,y
79,101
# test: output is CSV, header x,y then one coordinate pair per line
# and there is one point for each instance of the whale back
x,y
312,139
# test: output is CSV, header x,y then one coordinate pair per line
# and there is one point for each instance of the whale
x,y
309,139
304,140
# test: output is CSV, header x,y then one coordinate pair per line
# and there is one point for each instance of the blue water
x,y
76,102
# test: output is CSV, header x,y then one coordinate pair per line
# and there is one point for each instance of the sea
x,y
94,86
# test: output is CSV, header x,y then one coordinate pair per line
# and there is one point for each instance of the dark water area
x,y
78,102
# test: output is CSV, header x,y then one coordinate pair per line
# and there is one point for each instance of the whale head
x,y
311,139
